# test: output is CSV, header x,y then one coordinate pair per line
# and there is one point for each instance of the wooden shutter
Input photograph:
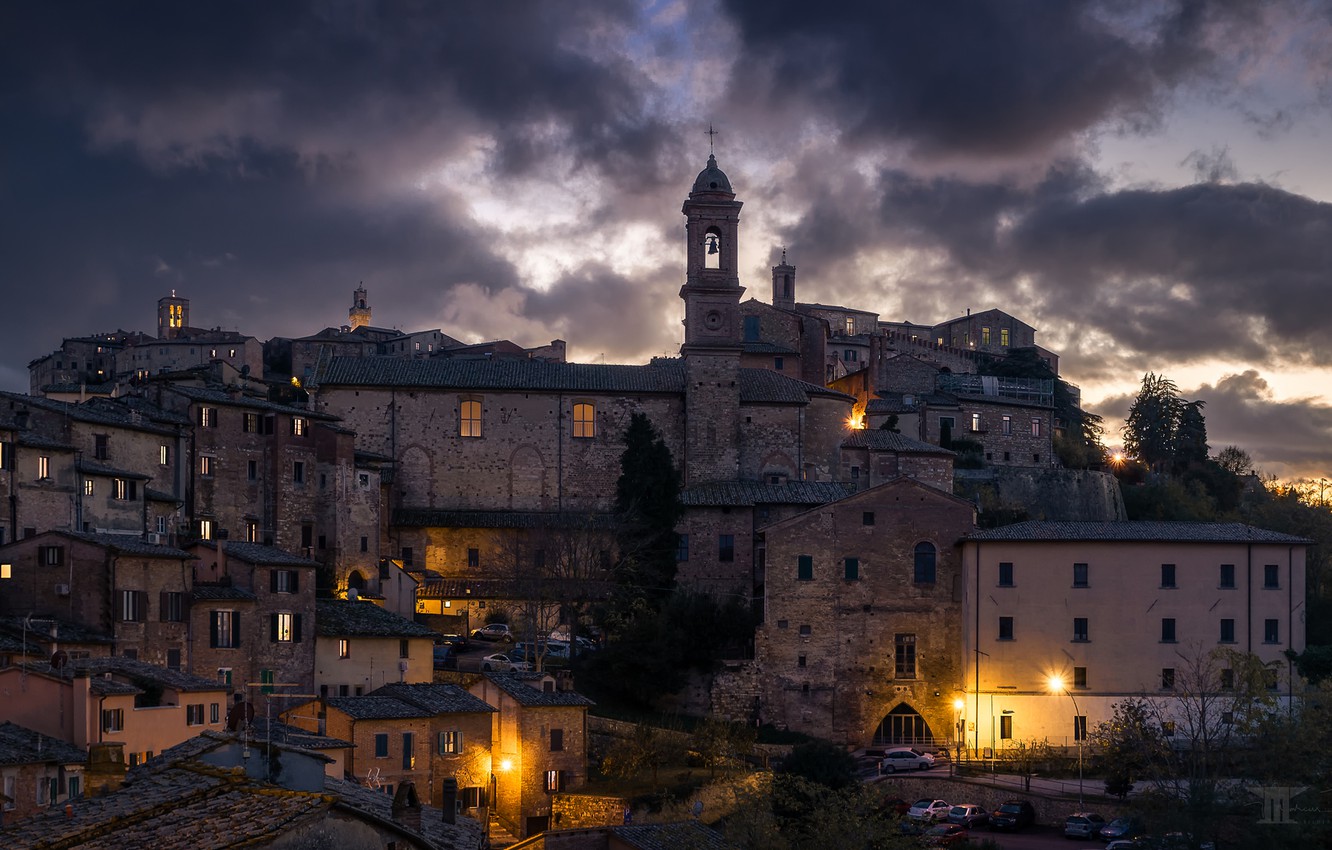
x,y
273,627
212,628
296,627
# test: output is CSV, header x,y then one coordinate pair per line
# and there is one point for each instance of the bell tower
x,y
173,316
712,339
359,312
783,284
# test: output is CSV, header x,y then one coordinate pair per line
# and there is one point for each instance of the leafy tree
x,y
719,743
647,499
1153,420
1235,460
821,762
890,424
648,748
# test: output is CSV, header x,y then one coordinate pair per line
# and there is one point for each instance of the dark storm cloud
x,y
610,312
265,157
1241,410
993,77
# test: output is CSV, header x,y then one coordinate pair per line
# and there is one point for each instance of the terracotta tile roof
x,y
435,586
208,395
516,685
287,735
20,745
92,467
65,631
745,493
1138,531
663,376
257,553
371,707
341,618
762,347
126,544
144,674
436,697
212,591
890,441
103,411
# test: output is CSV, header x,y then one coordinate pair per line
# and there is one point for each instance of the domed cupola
x,y
712,180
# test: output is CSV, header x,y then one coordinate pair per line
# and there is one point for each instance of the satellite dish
x,y
59,659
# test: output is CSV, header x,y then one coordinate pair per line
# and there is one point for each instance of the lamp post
x,y
1057,685
958,705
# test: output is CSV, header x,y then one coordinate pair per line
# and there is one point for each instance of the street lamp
x,y
958,705
1057,685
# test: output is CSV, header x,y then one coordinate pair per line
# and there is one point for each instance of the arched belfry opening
x,y
903,727
712,248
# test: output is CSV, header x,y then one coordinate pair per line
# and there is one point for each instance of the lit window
x,y
975,422
554,781
208,417
250,423
283,627
207,529
450,742
985,336
207,465
251,532
584,420
344,648
1035,427
88,487
43,467
164,455
300,426
1003,337
125,490
469,419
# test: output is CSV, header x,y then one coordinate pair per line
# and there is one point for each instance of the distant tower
x,y
783,284
173,315
359,314
712,346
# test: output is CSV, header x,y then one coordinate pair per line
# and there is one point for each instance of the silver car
x,y
905,758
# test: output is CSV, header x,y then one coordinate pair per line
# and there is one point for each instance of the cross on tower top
x,y
711,132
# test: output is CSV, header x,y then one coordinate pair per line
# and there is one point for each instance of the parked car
x,y
501,663
1083,825
969,815
928,810
445,657
494,632
1125,827
905,758
458,642
945,835
1014,815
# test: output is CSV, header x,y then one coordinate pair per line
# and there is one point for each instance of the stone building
x,y
538,745
36,772
863,608
254,604
136,592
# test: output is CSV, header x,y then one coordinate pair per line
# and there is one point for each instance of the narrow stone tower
x,y
358,314
783,284
712,346
173,315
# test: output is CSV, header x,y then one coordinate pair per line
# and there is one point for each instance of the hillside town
x,y
229,566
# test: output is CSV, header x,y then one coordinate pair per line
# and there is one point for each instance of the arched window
x,y
585,420
925,562
712,248
469,418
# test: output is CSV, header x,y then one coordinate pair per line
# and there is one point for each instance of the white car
x,y
928,810
905,758
501,663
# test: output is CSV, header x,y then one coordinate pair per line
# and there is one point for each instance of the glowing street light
x,y
1056,686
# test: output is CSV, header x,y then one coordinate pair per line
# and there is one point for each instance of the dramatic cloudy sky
x,y
1147,183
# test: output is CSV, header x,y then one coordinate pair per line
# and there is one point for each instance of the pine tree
x,y
647,498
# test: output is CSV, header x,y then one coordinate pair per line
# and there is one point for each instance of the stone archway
x,y
903,727
356,581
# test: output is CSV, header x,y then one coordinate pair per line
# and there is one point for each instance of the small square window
x,y
1168,575
1080,629
1005,574
1079,677
1271,631
726,548
1227,577
1227,679
682,547
805,568
1168,630
1227,631
800,661
1167,678
852,569
867,518
1080,575
806,631
1005,628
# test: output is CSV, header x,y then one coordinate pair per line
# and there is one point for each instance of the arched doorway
x,y
356,581
903,727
